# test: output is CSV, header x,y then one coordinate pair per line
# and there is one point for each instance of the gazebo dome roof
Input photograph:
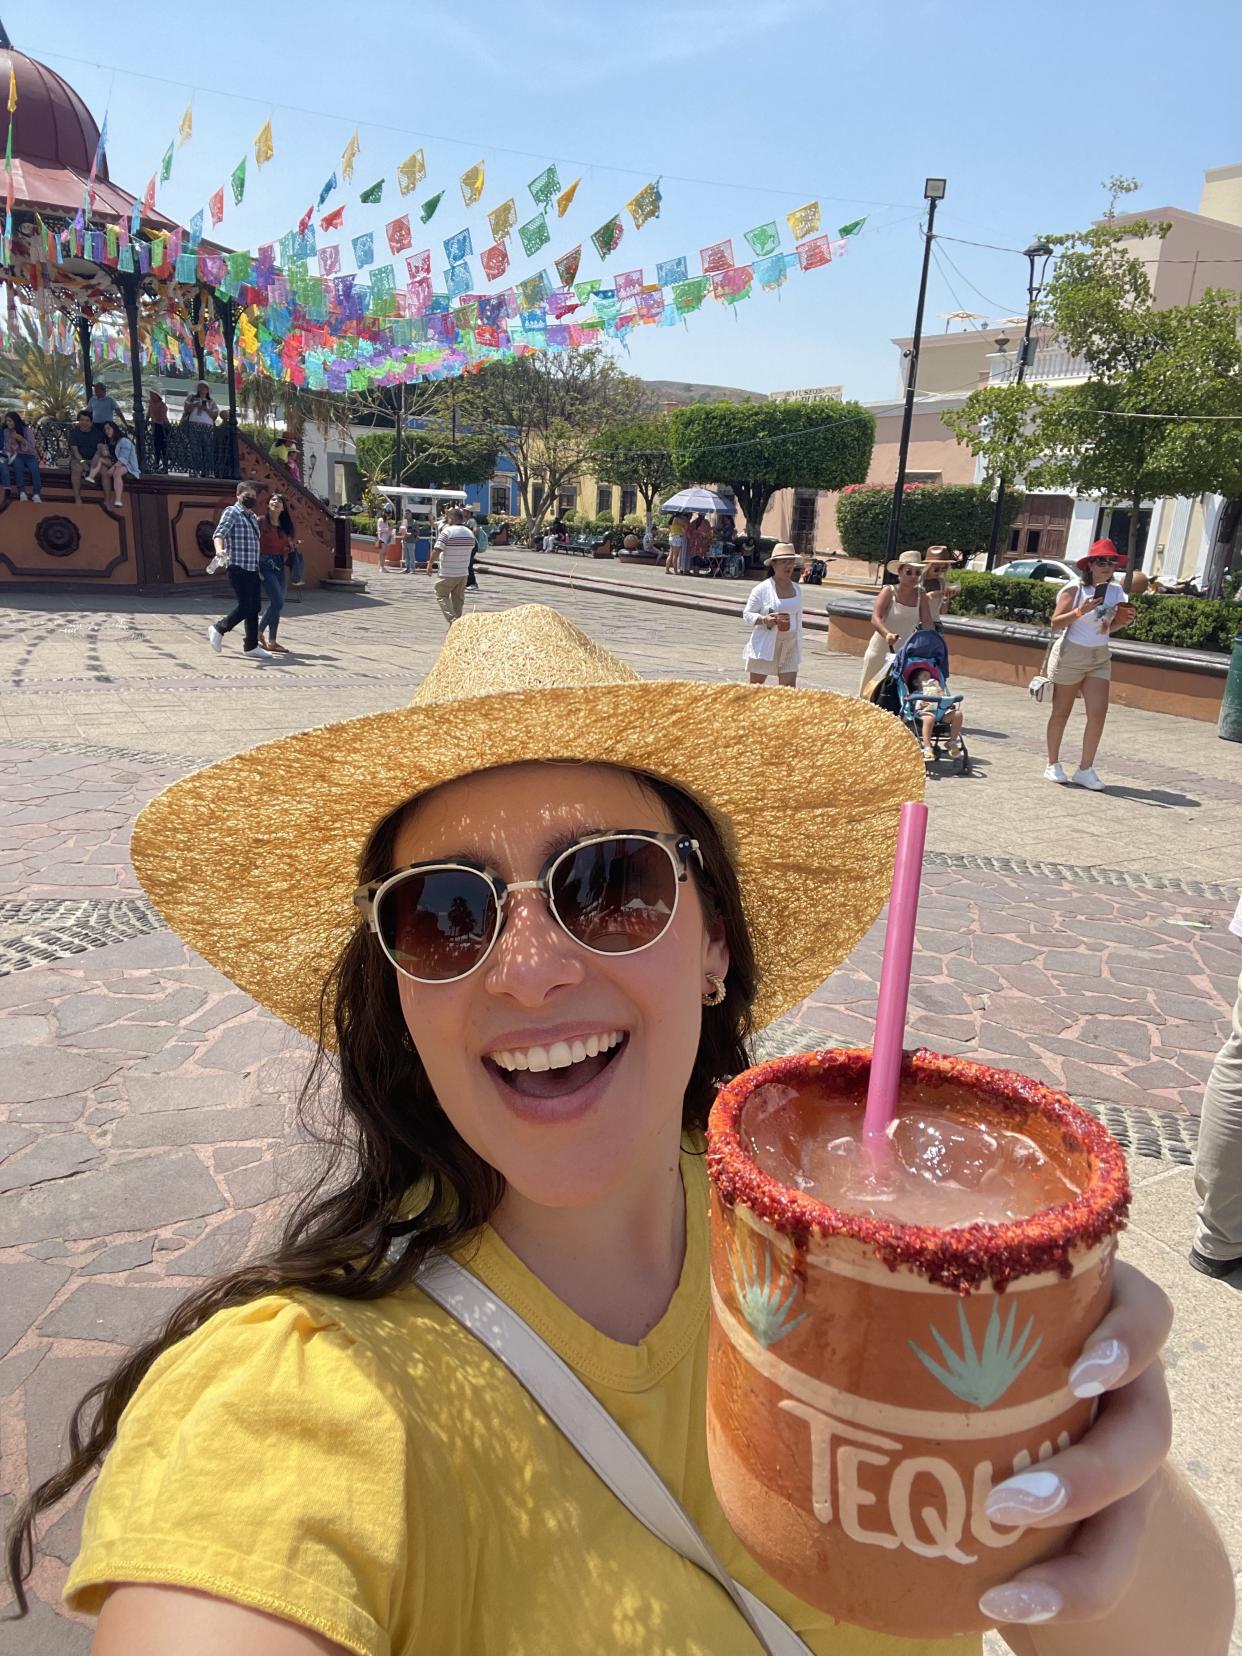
x,y
52,127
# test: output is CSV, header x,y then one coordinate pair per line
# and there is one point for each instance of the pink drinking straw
x,y
890,1017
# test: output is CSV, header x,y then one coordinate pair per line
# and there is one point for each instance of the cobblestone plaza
x,y
147,1124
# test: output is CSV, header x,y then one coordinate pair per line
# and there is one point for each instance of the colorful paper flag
x,y
333,220
364,250
689,295
851,229
373,193
495,261
399,235
264,149
566,196
419,291
148,196
567,266
471,182
764,239
535,234
196,228
628,283
411,173
186,130
607,238
458,247
349,157
486,333
304,221
12,88
545,187
327,189
651,305
418,265
671,271
719,256
645,205
502,219
429,206
770,272
812,254
804,221
533,291
732,284
458,279
238,181
329,260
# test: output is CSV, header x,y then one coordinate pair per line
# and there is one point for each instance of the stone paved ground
x,y
148,1126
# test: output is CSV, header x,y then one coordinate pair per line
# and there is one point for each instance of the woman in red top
x,y
275,544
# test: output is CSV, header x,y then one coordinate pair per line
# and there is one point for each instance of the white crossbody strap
x,y
595,1435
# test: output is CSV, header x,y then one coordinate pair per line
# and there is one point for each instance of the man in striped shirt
x,y
453,548
237,540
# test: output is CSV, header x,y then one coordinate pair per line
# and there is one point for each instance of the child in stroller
x,y
921,673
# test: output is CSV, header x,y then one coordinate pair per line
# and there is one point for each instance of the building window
x,y
499,506
603,499
567,500
1032,543
1015,539
629,502
924,476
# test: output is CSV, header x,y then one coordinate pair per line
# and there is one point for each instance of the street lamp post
x,y
933,194
1034,287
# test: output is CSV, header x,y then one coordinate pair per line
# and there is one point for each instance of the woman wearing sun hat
x,y
534,917
899,609
1087,612
939,560
774,614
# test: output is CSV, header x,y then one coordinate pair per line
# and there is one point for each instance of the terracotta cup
x,y
869,1382
783,622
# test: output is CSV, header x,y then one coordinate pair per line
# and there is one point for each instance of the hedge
x,y
1185,623
932,514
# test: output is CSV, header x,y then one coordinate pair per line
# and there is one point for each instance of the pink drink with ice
x,y
943,1165
893,1325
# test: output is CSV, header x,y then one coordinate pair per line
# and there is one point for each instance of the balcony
x,y
1053,365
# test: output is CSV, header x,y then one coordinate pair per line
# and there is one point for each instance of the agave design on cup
x,y
765,1296
981,1377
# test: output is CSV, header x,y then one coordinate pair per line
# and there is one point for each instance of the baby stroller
x,y
925,651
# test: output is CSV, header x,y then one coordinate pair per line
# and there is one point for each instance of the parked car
x,y
1041,569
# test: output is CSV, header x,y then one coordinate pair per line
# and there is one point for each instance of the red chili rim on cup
x,y
958,1259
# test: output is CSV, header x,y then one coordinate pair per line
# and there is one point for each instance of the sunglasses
x,y
612,893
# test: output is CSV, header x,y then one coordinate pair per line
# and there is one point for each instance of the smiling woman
x,y
533,917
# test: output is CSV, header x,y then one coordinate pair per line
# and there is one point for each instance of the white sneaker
x,y
215,638
258,654
39,498
21,494
1087,779
1055,773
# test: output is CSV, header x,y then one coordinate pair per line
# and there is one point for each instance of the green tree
x,y
757,448
546,413
430,458
1157,413
957,515
47,385
637,455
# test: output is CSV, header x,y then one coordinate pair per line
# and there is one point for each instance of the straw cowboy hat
x,y
254,861
907,560
784,551
942,555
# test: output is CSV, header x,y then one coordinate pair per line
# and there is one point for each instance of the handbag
x,y
595,1435
1041,684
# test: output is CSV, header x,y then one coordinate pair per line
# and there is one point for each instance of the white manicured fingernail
x,y
1022,1602
1099,1367
1027,1498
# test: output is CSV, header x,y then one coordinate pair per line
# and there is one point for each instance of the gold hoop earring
x,y
715,990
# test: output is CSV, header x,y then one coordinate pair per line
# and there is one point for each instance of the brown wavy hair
x,y
385,1133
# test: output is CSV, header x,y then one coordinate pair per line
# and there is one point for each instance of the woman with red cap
x,y
1085,616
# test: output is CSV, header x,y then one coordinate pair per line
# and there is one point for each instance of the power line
x,y
471,143
1154,258
1012,310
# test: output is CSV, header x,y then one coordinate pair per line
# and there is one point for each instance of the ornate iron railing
x,y
173,450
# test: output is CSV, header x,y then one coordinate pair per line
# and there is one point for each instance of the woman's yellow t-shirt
x,y
370,1471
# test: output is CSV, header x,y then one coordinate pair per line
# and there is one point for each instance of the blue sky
x,y
745,108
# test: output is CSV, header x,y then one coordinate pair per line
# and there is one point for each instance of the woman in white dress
x,y
774,613
898,610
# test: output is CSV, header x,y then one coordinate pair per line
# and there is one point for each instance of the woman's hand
x,y
891,640
1104,1483
1123,616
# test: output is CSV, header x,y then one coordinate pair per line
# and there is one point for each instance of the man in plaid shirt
x,y
237,540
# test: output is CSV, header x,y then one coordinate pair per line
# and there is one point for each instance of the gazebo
x,y
85,254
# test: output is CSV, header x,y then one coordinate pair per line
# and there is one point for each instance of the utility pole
x,y
933,194
1034,287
